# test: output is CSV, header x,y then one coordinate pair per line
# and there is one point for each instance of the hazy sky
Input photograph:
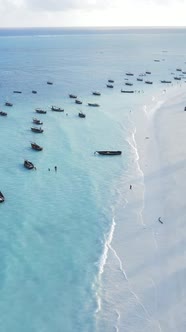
x,y
28,13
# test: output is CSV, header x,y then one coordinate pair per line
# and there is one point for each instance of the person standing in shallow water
x,y
55,167
130,186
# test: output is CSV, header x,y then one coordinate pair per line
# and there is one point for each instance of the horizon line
x,y
97,27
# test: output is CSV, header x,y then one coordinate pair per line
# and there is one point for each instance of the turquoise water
x,y
54,225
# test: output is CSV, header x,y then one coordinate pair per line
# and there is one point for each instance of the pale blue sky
x,y
56,13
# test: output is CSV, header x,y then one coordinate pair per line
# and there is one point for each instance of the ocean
x,y
59,267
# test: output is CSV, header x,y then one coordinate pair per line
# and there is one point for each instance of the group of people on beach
x,y
55,168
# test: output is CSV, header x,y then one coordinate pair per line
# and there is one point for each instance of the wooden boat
x,y
148,82
72,96
36,147
37,130
3,113
81,115
93,104
40,111
127,91
111,81
140,79
178,69
8,104
108,153
148,72
34,91
57,109
96,93
177,78
110,86
16,91
78,102
49,82
129,84
28,164
164,81
2,198
37,122
129,74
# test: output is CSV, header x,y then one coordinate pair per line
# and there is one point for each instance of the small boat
x,y
177,78
140,79
184,72
72,96
148,82
37,122
129,84
129,74
93,104
108,153
57,109
148,72
36,147
8,104
96,93
81,115
111,81
37,130
40,111
34,91
3,113
178,69
156,60
110,86
164,81
16,91
2,198
78,102
28,164
49,82
127,91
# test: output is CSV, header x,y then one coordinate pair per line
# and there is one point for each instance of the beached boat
x,y
8,104
81,115
34,91
40,111
2,198
127,91
129,74
164,81
3,113
111,81
49,82
148,82
72,96
96,93
93,104
36,147
128,83
17,91
37,122
110,86
79,102
108,153
37,130
57,109
28,164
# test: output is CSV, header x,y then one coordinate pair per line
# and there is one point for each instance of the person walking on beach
x,y
130,186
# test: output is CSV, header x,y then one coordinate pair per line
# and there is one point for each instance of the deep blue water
x,y
54,224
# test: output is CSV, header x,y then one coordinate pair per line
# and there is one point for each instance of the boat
x,y
140,79
96,93
78,102
148,82
185,108
37,130
110,86
177,78
34,91
129,84
36,147
164,81
16,91
184,72
111,81
108,153
148,72
8,104
3,113
129,74
156,60
57,109
49,82
81,115
2,198
37,121
178,69
40,111
93,104
28,164
127,91
72,96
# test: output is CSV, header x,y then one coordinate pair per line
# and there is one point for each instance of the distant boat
x,y
72,96
93,104
129,74
28,164
164,81
57,109
40,111
96,93
8,104
37,130
178,69
3,113
110,86
37,122
2,198
49,82
127,91
34,91
156,60
16,91
177,78
148,82
184,72
111,81
148,72
108,153
81,115
129,84
78,102
140,79
36,147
